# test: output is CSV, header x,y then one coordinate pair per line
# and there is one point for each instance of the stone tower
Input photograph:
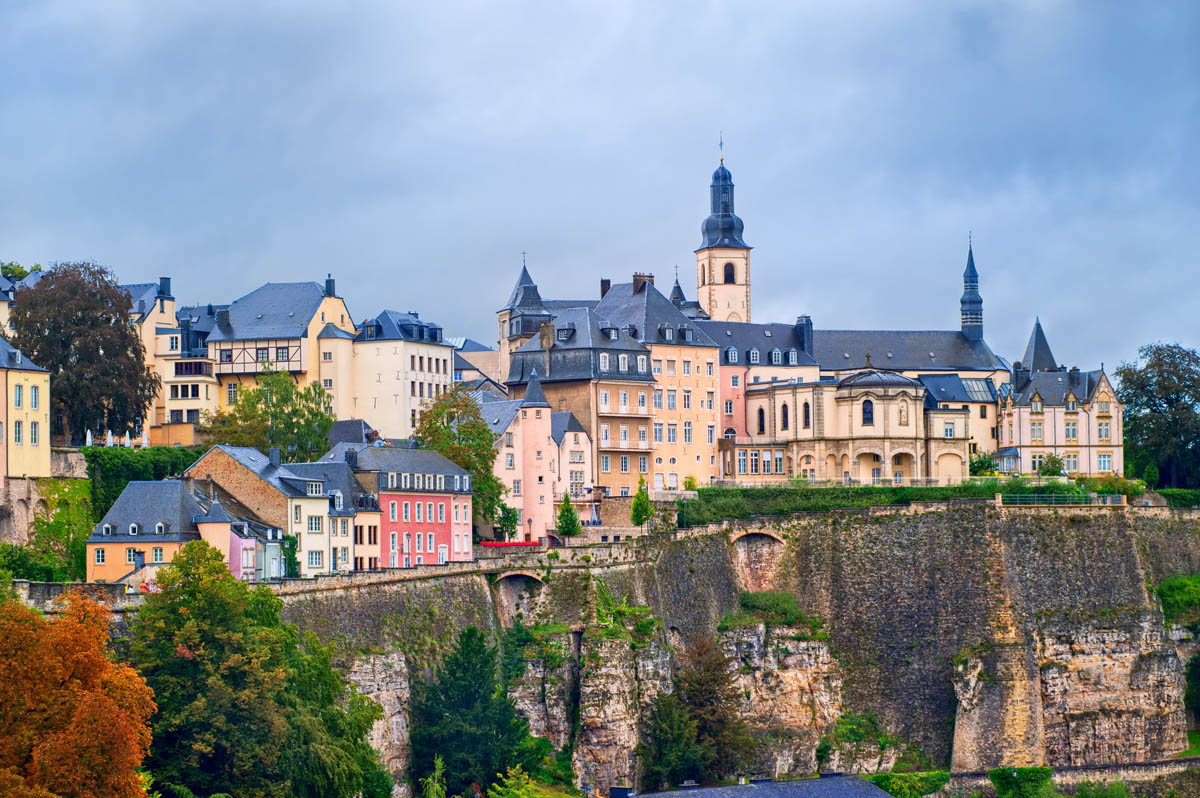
x,y
723,260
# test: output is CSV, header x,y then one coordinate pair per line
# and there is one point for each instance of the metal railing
x,y
1062,499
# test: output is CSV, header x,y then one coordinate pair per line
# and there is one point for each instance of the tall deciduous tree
x,y
1161,395
453,426
276,412
707,690
464,716
16,272
75,322
73,722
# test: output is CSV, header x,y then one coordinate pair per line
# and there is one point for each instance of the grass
x,y
1193,745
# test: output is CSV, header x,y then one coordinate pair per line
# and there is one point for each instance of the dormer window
x,y
337,501
776,357
604,361
792,359
641,363
612,334
466,483
160,528
314,489
1035,404
623,363
133,529
564,334
687,333
753,357
107,530
669,334
731,354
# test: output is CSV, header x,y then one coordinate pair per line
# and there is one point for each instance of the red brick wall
x,y
244,485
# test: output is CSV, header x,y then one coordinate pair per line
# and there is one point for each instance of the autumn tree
x,y
73,722
707,689
1160,392
75,322
275,413
453,426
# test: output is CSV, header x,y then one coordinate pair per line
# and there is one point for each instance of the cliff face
x,y
970,636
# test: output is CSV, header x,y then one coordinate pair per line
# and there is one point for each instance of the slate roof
x,y
392,325
331,330
12,358
351,430
825,787
201,320
498,415
483,384
875,378
399,459
1038,356
1053,386
903,350
744,336
273,310
337,477
280,477
144,293
952,388
651,314
564,304
525,297
146,503
563,422
690,308
580,335
534,396
464,344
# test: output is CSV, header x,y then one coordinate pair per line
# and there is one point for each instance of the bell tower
x,y
723,260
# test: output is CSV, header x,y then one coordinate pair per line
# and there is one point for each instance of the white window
x,y
392,511
441,513
160,528
17,431
776,357
733,381
33,433
792,357
419,517
156,554
429,541
687,368
712,433
130,555
949,431
296,513
729,407
516,488
405,511
33,397
624,464
1104,462
687,432
133,529
442,553
327,356
623,362
99,556
316,559
604,463
643,466
391,480
604,361
17,395
741,461
314,523
509,460
641,363
107,529
753,356
231,393
314,489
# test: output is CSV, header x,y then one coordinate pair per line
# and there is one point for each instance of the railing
x,y
1062,499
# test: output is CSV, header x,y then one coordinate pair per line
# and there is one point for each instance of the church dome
x,y
878,379
722,228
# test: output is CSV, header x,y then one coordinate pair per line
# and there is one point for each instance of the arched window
x,y
783,417
108,529
792,357
776,357
762,421
160,528
730,275
703,275
753,356
133,529
807,416
731,354
868,412
730,432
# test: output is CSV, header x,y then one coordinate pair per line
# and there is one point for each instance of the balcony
x,y
622,410
632,446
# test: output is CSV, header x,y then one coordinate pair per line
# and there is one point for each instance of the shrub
x,y
1181,497
1090,789
1180,596
1023,782
910,785
1111,484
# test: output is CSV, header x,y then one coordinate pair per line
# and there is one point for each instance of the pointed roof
x,y
970,270
216,514
677,292
534,395
525,294
1038,356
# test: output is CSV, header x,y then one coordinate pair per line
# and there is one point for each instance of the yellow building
x,y
25,419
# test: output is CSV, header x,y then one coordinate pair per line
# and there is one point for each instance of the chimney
x,y
329,286
141,306
640,280
275,456
605,284
210,309
164,287
352,458
223,317
546,335
804,332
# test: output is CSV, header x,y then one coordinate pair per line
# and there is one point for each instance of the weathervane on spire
x,y
721,144
522,259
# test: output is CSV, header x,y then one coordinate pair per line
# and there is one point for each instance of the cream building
x,y
25,418
723,260
400,365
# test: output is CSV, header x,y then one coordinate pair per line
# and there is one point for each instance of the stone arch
x,y
730,274
41,509
949,468
757,554
517,593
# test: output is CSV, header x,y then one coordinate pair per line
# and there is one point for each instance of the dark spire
x,y
216,514
722,228
677,297
525,294
971,304
534,396
1038,356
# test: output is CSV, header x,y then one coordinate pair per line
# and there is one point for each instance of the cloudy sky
x,y
415,149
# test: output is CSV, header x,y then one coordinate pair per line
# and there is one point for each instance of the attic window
x,y
846,355
889,355
612,334
767,333
669,334
314,489
107,529
564,335
931,355
160,528
133,529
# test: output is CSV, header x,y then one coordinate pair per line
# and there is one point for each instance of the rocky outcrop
x,y
547,692
384,679
791,695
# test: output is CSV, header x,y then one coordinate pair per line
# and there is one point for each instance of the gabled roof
x,y
280,477
142,296
351,430
216,514
273,310
952,388
1054,386
12,359
331,330
650,314
336,477
169,502
563,422
499,415
744,336
399,459
903,350
392,325
580,335
1038,356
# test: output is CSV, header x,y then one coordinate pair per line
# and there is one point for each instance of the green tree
x,y
640,509
1036,782
982,463
507,520
464,716
568,520
434,785
670,754
1052,466
75,323
1150,476
453,426
707,690
16,272
1161,397
275,413
515,783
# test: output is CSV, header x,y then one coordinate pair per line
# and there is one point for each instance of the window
x,y
783,417
949,430
670,400
776,357
441,513
33,397
762,421
622,363
1104,462
623,399
231,393
418,518
687,400
658,400
778,462
733,381
868,413
418,540
1072,430
296,514
392,511
643,465
1102,429
658,432
99,556
670,367
729,407
1035,430
17,395
807,416
314,523
509,460
672,434
708,368
314,489
327,356
792,357
516,488
429,542
281,354
17,431
731,355
604,433
226,356
641,364
1036,405
131,555
604,361
712,433
730,274
604,399
604,463
753,357
156,554
657,366
624,464
741,461
327,383
983,411
33,433
262,354
160,528
753,461
1102,406
687,432
316,559
107,530
173,343
641,400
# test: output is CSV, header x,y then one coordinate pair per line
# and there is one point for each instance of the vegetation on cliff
x,y
622,620
73,721
111,468
910,785
247,705
706,687
773,608
57,547
670,754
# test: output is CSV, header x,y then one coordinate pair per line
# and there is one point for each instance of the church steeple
x,y
971,304
723,260
722,228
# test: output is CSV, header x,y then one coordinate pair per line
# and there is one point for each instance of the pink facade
x,y
732,412
423,528
527,463
1088,441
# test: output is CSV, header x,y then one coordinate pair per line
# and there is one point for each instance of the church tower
x,y
971,304
723,260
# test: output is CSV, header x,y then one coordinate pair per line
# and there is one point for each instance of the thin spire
x,y
721,144
522,259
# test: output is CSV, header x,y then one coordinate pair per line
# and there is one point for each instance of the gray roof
x,y
650,314
147,504
351,430
580,335
280,477
833,786
12,358
274,310
1053,386
484,385
525,297
142,296
498,415
953,388
392,325
563,422
534,396
399,459
744,336
876,378
1038,356
331,330
464,344
201,319
903,350
336,476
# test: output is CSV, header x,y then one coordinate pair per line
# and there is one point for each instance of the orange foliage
x,y
73,723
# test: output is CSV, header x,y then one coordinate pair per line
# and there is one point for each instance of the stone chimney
x,y
330,290
546,335
804,331
164,287
640,280
352,458
605,284
276,456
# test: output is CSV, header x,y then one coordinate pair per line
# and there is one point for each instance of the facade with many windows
x,y
24,415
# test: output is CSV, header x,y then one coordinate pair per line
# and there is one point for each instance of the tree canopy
x,y
75,323
247,705
640,509
463,716
453,426
670,754
567,524
276,412
16,272
73,722
706,688
1161,395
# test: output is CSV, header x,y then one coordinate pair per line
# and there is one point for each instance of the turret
x,y
971,304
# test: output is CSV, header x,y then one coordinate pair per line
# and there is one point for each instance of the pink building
x,y
1050,409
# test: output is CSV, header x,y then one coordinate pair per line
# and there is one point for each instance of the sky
x,y
415,150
